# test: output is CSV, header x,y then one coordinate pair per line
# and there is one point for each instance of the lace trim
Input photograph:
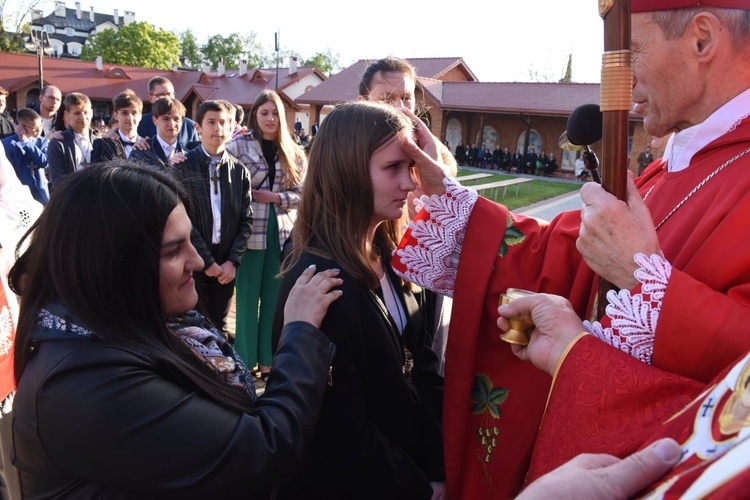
x,y
6,330
433,261
635,317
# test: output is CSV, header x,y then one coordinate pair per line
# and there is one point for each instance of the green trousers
x,y
257,288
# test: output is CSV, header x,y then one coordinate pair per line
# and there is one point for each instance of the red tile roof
x,y
344,85
19,70
550,99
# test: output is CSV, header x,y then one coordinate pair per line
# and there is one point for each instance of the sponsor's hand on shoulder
x,y
142,144
311,295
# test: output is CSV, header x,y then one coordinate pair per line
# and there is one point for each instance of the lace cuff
x,y
635,316
433,247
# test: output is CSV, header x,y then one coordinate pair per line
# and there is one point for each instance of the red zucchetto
x,y
653,5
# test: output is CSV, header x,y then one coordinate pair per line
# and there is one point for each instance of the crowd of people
x,y
502,159
376,330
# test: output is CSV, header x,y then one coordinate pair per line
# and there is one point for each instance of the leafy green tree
x,y
233,48
189,49
135,44
327,62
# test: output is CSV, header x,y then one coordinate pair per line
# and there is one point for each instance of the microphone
x,y
584,127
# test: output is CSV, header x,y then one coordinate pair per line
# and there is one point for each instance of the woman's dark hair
x,y
96,249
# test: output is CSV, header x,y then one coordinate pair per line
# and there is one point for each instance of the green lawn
x,y
540,189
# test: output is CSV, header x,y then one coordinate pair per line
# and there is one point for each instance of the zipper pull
x,y
330,376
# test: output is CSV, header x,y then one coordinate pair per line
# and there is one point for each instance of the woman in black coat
x,y
124,391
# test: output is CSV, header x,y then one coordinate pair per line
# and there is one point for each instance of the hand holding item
x,y
555,325
613,231
311,295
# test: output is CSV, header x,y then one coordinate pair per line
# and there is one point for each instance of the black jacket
x,y
62,156
236,213
94,419
380,432
154,156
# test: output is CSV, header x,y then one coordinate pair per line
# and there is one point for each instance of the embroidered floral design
x,y
6,330
513,236
432,262
635,317
487,401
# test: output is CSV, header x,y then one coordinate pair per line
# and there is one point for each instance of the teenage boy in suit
x,y
219,190
119,144
27,152
164,147
159,87
73,151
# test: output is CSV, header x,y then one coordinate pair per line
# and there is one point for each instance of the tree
x,y
135,44
191,53
327,62
14,30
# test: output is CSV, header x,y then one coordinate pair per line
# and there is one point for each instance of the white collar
x,y
683,145
122,136
164,144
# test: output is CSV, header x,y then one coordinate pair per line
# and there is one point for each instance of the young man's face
x,y
214,130
51,100
161,90
3,98
32,128
128,119
79,117
168,126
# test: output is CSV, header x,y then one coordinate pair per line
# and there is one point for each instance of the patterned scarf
x,y
203,340
213,350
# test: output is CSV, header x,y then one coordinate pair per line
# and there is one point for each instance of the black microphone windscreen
x,y
584,125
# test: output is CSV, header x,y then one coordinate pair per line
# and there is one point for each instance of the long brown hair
x,y
336,203
291,156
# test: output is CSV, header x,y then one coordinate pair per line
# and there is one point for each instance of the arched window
x,y
453,134
535,141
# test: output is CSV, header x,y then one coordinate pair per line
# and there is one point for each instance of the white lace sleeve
x,y
634,317
432,262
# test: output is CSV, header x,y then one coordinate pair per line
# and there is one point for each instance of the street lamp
x,y
39,42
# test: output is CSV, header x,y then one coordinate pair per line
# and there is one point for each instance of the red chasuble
x,y
493,403
7,336
604,401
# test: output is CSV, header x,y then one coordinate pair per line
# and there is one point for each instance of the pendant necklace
x,y
696,188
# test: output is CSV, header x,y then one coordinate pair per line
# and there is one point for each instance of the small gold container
x,y
520,326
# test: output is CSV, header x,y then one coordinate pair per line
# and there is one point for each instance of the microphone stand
x,y
591,162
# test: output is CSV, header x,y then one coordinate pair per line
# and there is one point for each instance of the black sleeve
x,y
246,220
56,161
113,418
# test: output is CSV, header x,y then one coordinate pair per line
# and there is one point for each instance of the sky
x,y
500,40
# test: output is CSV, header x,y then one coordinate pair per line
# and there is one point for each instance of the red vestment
x,y
604,401
701,326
